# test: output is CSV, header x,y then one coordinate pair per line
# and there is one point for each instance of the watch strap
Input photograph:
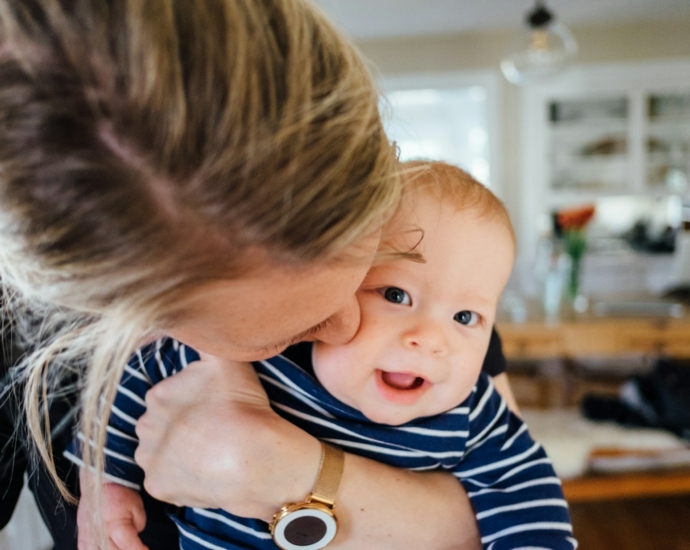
x,y
330,473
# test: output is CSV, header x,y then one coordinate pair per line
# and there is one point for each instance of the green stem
x,y
575,246
574,280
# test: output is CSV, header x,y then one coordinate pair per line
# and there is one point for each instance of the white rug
x,y
570,439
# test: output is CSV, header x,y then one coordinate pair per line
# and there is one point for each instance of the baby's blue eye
x,y
466,317
397,295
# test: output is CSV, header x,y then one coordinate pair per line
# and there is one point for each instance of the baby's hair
x,y
455,186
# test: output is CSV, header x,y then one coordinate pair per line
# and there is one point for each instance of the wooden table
x,y
581,335
610,487
576,336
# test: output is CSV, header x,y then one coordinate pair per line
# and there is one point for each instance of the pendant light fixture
x,y
543,49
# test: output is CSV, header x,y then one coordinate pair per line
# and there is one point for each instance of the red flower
x,y
575,219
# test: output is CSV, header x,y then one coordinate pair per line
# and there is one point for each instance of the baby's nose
x,y
427,337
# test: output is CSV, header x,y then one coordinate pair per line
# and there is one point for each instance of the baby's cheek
x,y
466,381
335,368
465,393
329,362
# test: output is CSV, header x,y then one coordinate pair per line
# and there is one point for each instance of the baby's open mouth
x,y
402,388
402,380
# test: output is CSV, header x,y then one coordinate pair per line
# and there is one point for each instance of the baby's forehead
x,y
417,231
463,197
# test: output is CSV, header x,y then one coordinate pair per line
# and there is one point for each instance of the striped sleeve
x,y
148,366
510,481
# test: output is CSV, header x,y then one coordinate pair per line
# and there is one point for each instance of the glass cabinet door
x,y
667,147
589,149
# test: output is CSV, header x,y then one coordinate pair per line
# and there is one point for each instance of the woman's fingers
x,y
125,536
122,536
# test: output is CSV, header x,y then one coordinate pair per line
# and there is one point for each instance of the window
x,y
443,123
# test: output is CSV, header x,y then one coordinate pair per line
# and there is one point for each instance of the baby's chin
x,y
391,418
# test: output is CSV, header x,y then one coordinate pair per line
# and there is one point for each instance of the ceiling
x,y
371,19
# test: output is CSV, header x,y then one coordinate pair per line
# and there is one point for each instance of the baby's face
x,y
425,326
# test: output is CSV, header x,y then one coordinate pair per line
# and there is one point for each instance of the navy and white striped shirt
x,y
515,493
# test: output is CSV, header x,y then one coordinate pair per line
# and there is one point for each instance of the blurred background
x,y
577,115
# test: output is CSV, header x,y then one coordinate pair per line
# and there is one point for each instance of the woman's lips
x,y
400,387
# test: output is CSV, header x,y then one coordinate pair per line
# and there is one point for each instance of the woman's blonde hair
x,y
145,145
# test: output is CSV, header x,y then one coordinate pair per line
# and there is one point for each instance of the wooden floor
x,y
644,524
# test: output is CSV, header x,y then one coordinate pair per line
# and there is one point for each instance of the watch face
x,y
305,529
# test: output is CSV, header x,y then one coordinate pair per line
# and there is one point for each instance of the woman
x,y
216,171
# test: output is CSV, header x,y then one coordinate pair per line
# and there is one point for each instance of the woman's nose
x,y
427,337
342,325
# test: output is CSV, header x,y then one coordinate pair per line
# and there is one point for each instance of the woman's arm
x,y
502,385
210,439
384,507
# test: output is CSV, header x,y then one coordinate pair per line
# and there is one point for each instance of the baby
x,y
407,390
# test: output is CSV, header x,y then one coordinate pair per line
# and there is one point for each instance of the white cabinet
x,y
667,145
589,146
603,131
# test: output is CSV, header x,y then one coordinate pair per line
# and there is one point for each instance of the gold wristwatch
x,y
311,525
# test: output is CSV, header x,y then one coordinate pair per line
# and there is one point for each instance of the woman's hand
x,y
209,438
